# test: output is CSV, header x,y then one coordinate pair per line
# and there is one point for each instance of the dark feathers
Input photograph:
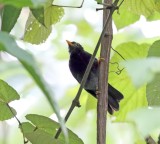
x,y
78,62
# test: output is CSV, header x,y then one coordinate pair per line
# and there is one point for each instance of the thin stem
x,y
121,3
118,53
20,124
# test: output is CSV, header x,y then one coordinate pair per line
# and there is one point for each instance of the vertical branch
x,y
150,140
102,105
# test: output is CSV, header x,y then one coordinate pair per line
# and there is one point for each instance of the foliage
x,y
43,129
7,95
138,78
38,26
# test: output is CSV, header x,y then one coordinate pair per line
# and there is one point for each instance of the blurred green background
x,y
83,26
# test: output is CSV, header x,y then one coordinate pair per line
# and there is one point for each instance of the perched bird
x,y
78,62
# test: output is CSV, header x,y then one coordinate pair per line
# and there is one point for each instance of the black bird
x,y
78,62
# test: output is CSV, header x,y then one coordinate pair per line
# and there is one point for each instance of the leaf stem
x,y
20,124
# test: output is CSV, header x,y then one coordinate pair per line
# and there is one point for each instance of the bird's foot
x,y
97,91
100,60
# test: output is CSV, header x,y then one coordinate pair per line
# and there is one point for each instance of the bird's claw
x,y
100,60
97,92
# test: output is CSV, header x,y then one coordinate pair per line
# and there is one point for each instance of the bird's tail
x,y
114,97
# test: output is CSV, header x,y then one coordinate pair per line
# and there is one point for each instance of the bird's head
x,y
74,46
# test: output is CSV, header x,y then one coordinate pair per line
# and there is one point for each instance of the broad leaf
x,y
53,15
141,7
24,3
157,5
6,112
154,50
154,16
153,90
99,1
36,32
142,70
7,93
133,98
46,129
39,15
124,17
146,120
9,17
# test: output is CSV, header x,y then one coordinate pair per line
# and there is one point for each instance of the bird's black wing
x,y
92,81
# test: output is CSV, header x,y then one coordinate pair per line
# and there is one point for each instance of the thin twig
x,y
70,6
121,3
118,53
119,70
20,124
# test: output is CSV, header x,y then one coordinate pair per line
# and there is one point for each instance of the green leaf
x,y
157,4
53,15
153,91
133,98
42,122
37,33
45,131
24,3
154,50
9,17
91,103
39,15
154,16
8,44
142,70
99,1
146,120
5,111
141,7
7,93
124,17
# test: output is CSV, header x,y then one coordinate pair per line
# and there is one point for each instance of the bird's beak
x,y
69,43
